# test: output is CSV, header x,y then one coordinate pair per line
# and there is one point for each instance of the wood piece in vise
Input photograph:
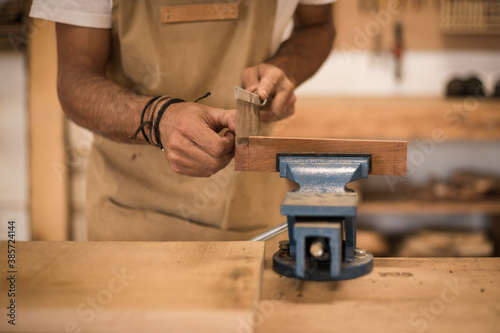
x,y
247,121
388,156
248,107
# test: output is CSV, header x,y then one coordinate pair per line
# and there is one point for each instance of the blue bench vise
x,y
321,217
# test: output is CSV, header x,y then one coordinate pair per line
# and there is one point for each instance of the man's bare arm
x,y
188,130
87,97
297,59
311,41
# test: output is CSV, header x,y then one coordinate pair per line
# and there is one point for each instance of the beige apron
x,y
132,192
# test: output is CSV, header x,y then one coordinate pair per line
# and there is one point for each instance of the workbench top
x,y
224,287
131,286
399,295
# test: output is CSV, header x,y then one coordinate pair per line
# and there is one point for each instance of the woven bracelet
x,y
143,123
156,122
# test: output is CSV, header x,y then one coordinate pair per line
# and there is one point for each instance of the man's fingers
x,y
268,84
192,143
269,80
195,160
221,119
283,106
190,167
250,78
261,79
229,136
211,142
204,132
252,88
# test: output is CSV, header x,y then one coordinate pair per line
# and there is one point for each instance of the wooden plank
x,y
212,287
399,295
190,13
48,168
409,118
388,157
247,121
133,286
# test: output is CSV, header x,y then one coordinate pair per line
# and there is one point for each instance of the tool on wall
x,y
398,49
470,17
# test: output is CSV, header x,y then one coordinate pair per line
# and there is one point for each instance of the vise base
x,y
321,218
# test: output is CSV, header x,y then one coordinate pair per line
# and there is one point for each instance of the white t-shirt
x,y
97,14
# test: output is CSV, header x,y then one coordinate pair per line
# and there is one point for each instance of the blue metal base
x,y
323,211
320,270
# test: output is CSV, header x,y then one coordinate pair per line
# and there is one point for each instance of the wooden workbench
x,y
399,295
131,287
223,287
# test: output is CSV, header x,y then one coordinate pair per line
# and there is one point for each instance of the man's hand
x,y
268,80
189,134
297,59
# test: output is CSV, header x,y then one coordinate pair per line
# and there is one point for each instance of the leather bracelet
x,y
156,122
142,123
142,116
154,109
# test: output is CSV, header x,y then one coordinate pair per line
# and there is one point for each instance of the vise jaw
x,y
321,217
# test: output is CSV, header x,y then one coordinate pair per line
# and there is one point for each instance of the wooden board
x,y
133,287
214,286
247,121
437,119
388,157
399,295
